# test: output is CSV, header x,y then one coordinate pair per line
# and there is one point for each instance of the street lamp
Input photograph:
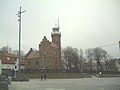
x,y
19,20
119,44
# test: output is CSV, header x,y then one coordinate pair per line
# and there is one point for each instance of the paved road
x,y
68,84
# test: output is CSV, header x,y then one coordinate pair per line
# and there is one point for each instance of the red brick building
x,y
49,54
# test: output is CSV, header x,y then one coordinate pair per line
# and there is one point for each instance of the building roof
x,y
33,54
7,54
8,58
44,43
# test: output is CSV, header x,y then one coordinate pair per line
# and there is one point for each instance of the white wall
x,y
8,66
118,65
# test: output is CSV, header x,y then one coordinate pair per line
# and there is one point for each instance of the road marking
x,y
54,88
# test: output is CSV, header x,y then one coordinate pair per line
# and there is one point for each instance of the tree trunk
x,y
106,69
98,65
90,65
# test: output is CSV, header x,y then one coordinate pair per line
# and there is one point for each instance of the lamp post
x,y
19,20
119,44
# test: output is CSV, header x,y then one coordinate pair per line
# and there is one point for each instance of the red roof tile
x,y
33,54
7,58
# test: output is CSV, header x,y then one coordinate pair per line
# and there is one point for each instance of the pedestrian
x,y
45,76
41,77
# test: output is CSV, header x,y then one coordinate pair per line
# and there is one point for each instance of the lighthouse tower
x,y
56,35
56,39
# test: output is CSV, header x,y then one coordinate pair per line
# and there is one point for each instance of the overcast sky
x,y
83,23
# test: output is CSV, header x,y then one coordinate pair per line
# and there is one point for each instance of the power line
x,y
109,45
103,46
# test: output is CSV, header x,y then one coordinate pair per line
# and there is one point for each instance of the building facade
x,y
49,54
117,63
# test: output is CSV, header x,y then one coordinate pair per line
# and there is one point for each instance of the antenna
x,y
55,23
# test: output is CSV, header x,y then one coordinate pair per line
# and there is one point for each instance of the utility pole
x,y
19,20
0,67
119,45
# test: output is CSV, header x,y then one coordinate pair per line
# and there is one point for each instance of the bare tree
x,y
6,49
98,55
111,66
105,56
89,55
70,57
66,57
75,61
16,52
9,50
81,60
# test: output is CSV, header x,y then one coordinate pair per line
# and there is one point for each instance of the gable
x,y
33,54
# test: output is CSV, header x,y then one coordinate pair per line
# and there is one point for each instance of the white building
x,y
9,61
117,62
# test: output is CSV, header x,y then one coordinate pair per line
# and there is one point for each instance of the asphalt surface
x,y
68,84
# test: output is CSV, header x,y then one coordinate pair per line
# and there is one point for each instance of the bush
x,y
20,77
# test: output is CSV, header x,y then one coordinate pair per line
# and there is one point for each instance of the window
x,y
36,62
28,62
55,52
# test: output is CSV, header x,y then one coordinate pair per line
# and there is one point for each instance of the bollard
x,y
3,83
9,79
